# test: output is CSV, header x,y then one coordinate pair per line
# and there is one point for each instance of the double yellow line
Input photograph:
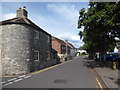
x,y
50,67
99,83
39,70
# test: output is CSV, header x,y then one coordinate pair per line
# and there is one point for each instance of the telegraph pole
x,y
66,41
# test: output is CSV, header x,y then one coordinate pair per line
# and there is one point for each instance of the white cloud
x,y
69,36
81,29
49,24
64,24
8,16
67,12
74,39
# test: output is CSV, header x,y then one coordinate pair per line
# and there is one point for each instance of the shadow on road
x,y
96,64
92,64
118,82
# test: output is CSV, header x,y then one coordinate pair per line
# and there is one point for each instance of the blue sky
x,y
57,18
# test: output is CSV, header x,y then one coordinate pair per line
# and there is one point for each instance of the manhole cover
x,y
60,81
55,89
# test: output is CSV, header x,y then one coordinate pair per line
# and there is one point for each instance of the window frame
x,y
37,55
48,53
37,34
48,38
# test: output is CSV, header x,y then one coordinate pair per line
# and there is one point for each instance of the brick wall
x,y
56,45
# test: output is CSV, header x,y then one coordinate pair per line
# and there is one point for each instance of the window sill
x,y
36,60
48,58
36,38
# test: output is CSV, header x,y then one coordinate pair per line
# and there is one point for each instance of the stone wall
x,y
16,49
19,44
0,51
43,45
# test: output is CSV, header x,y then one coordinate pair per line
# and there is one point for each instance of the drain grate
x,y
60,81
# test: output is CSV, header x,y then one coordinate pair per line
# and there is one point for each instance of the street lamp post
x,y
66,47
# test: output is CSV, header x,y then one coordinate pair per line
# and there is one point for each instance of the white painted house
x,y
117,49
79,51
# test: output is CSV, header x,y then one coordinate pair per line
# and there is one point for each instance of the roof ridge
x,y
9,19
26,20
60,39
22,20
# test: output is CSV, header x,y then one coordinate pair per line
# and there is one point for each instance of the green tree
x,y
101,26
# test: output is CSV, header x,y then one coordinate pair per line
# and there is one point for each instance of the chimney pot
x,y
21,12
24,7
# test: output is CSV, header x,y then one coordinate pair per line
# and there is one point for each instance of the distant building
x,y
60,46
24,46
73,50
80,51
117,49
64,48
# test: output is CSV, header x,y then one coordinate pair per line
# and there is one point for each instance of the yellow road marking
x,y
8,76
99,84
39,70
47,68
50,67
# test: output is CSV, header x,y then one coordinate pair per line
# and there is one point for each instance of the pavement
x,y
71,74
109,76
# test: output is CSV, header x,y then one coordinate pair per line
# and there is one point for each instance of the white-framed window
x,y
36,55
63,47
36,34
48,55
48,38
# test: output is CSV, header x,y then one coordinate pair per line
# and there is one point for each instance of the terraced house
x,y
24,46
65,49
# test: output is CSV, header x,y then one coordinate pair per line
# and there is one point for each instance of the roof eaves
x,y
25,21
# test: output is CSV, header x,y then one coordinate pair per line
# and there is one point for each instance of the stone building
x,y
24,46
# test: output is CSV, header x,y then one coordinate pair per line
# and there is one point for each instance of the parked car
x,y
112,57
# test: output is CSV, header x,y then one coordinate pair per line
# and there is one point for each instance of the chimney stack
x,y
21,12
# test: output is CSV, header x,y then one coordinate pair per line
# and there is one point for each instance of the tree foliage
x,y
101,26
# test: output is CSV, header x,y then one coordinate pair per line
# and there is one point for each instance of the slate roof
x,y
70,44
60,41
63,43
22,20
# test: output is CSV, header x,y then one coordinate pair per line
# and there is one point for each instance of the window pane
x,y
48,54
48,39
37,34
36,54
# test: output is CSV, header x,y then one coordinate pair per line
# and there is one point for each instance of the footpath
x,y
109,76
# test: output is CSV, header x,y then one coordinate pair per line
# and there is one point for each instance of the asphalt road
x,y
71,74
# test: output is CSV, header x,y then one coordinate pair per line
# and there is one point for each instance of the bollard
x,y
114,65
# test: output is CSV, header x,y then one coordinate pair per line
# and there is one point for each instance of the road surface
x,y
71,74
